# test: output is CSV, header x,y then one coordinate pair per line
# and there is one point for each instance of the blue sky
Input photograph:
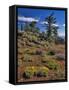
x,y
39,15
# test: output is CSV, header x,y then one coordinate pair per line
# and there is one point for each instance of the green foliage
x,y
29,72
52,64
27,58
34,38
60,74
51,28
50,53
42,72
35,71
27,27
32,26
34,52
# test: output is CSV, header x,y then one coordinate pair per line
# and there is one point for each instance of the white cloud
x,y
44,22
63,25
27,19
56,25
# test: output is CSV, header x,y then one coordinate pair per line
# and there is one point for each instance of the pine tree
x,y
32,26
51,28
27,27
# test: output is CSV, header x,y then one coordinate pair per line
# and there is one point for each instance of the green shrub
x,y
27,58
29,72
51,53
60,74
34,52
34,38
42,72
44,57
31,51
52,64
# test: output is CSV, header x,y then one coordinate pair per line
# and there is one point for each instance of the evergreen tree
x,y
51,28
27,27
32,26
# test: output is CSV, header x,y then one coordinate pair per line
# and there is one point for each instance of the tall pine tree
x,y
51,28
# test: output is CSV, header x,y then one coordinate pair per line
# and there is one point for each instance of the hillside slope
x,y
38,59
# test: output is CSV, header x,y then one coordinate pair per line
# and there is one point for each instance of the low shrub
x,y
60,74
34,52
45,57
34,38
30,51
51,53
29,72
27,58
42,72
35,71
52,64
26,50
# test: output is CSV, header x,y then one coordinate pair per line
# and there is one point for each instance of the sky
x,y
39,15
